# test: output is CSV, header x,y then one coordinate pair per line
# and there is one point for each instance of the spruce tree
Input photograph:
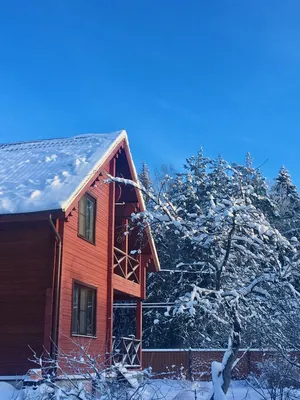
x,y
146,182
216,221
286,198
144,176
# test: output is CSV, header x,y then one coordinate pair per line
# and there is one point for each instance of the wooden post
x,y
143,266
126,247
139,326
110,272
190,364
139,273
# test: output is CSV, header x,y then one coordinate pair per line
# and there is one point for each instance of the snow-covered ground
x,y
7,392
162,389
168,389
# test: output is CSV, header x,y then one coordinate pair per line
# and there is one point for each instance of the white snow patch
x,y
35,194
185,390
55,182
50,158
217,379
80,160
45,175
8,392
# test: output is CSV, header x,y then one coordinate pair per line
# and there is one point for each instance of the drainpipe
x,y
54,333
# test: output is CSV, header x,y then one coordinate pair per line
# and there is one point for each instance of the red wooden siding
x,y
26,263
87,263
123,285
27,258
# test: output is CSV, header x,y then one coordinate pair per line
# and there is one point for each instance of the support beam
x,y
139,326
110,283
126,209
126,246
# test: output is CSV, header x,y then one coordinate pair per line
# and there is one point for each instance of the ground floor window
x,y
84,310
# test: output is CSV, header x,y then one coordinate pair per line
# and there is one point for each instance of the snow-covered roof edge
x,y
81,185
121,137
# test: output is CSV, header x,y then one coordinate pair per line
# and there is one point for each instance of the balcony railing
x,y
126,265
126,351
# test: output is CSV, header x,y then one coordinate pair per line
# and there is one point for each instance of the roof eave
x,y
32,216
67,205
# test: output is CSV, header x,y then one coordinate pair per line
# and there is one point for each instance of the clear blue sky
x,y
175,74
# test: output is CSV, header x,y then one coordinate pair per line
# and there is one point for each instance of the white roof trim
x,y
114,145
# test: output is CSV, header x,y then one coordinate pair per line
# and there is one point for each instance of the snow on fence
x,y
196,363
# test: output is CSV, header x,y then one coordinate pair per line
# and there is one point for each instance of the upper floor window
x,y
84,310
87,215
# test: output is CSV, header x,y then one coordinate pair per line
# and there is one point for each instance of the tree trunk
x,y
220,387
231,353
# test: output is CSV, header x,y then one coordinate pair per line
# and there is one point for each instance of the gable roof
x,y
47,174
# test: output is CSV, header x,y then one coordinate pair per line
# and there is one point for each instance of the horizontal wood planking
x,y
126,286
27,250
26,263
87,263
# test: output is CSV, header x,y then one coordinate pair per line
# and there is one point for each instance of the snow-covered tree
x,y
160,174
146,182
202,177
286,197
177,264
144,176
219,215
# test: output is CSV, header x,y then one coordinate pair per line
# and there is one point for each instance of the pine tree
x,y
248,161
146,182
192,193
217,222
285,195
144,176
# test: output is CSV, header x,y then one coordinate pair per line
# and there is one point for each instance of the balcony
x,y
126,266
126,351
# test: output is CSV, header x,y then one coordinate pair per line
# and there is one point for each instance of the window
x,y
87,213
84,310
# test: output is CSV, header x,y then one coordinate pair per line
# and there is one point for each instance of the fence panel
x,y
196,363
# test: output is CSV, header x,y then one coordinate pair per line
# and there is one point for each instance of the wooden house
x,y
65,255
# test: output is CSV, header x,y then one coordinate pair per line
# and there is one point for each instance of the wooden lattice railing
x,y
126,266
126,351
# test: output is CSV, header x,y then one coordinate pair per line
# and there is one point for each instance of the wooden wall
x,y
26,263
87,263
27,258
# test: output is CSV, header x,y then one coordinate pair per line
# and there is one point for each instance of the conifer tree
x,y
286,197
218,219
144,176
146,182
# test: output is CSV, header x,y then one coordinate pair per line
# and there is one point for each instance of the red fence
x,y
196,363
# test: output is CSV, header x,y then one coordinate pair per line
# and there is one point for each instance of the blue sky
x,y
175,74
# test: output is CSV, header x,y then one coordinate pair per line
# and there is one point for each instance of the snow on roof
x,y
47,174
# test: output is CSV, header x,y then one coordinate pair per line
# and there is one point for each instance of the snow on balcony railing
x,y
126,351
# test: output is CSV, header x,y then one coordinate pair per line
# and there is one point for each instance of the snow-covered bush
x,y
277,379
82,375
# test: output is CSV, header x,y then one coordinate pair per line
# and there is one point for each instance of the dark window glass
x,y
87,211
84,308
